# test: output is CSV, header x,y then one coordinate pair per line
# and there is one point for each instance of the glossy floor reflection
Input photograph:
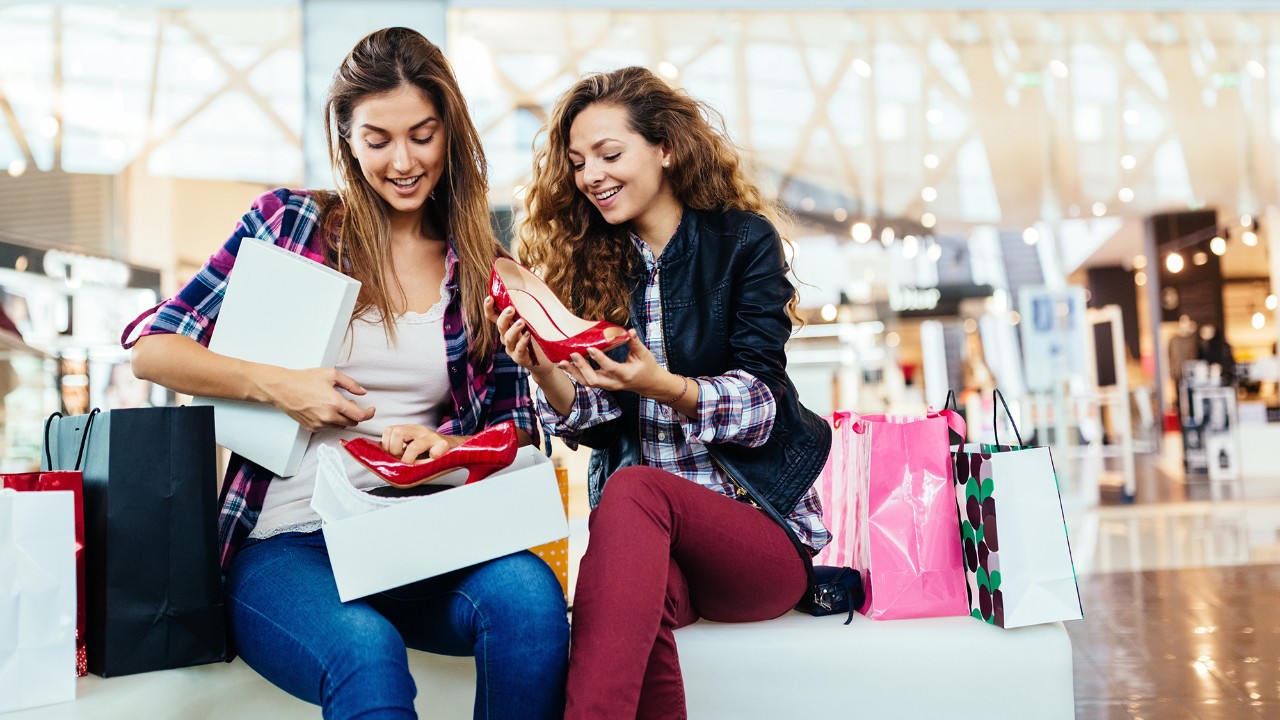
x,y
1181,588
1185,644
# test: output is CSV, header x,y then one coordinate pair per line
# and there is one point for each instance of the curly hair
x,y
382,62
580,256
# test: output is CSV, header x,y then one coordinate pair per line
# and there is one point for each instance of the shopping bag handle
x,y
855,421
950,402
48,455
125,342
995,420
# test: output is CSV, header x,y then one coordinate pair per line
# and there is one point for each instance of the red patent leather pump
x,y
483,454
557,331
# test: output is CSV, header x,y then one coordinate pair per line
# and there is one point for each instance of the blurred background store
x,y
1073,202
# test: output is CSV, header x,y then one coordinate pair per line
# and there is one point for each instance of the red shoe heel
x,y
557,331
485,453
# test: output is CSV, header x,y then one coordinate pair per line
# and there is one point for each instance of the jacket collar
x,y
682,242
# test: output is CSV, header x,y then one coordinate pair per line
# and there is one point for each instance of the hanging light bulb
x,y
886,236
1218,246
1174,262
1258,321
1031,236
1249,237
1271,302
861,232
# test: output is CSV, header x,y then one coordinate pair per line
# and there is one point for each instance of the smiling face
x,y
619,171
398,140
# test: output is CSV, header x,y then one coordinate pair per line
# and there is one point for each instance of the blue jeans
x,y
289,625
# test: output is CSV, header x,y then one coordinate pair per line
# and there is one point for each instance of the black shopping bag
x,y
150,514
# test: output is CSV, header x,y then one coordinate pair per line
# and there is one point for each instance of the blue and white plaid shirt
x,y
735,407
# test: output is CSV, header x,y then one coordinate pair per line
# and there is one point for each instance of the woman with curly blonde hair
x,y
640,212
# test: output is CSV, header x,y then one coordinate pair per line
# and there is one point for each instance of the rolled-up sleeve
x,y
283,217
735,407
591,407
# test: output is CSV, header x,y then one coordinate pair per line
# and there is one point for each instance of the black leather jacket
x,y
724,296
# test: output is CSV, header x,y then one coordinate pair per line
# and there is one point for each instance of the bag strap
x,y
48,423
125,342
803,550
995,419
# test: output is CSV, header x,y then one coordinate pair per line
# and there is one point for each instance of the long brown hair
x,y
382,62
584,259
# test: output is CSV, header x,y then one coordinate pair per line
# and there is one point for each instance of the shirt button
x,y
662,436
448,327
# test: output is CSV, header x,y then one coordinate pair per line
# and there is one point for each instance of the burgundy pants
x,y
663,552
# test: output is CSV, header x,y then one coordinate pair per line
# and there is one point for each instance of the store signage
x,y
77,268
902,299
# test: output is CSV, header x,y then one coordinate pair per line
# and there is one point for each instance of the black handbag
x,y
832,590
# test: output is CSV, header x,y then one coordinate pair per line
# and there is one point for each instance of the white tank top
x,y
407,383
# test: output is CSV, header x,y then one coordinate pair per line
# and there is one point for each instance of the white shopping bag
x,y
1017,557
37,599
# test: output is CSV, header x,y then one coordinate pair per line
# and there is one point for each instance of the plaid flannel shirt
x,y
735,407
482,395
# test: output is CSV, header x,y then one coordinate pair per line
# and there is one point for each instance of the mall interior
x,y
1073,203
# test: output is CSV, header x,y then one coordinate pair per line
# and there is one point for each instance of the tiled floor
x,y
1181,589
1187,644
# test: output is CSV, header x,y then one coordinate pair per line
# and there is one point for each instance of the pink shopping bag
x,y
888,500
835,490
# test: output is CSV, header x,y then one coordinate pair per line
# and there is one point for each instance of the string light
x,y
1174,262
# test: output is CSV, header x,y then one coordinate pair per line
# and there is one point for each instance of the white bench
x,y
952,668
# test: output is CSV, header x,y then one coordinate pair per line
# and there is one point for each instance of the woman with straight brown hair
x,y
641,213
410,221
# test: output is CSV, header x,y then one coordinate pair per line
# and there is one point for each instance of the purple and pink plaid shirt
x,y
482,394
735,407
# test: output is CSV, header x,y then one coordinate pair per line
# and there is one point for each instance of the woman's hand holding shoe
x,y
639,373
417,443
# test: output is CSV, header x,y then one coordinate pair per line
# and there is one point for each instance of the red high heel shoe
x,y
483,454
557,331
